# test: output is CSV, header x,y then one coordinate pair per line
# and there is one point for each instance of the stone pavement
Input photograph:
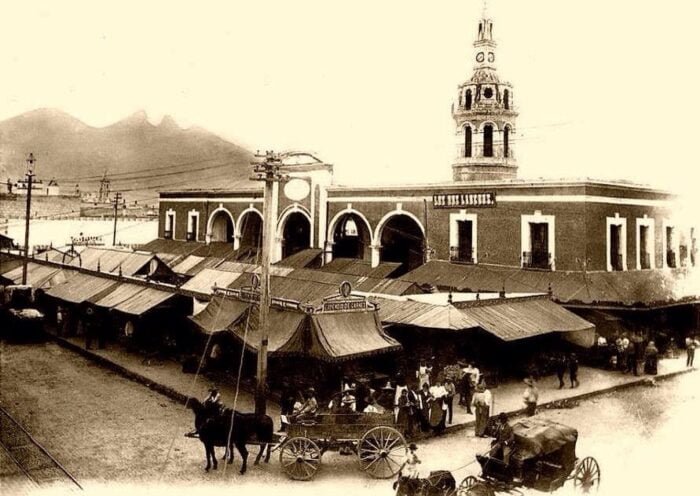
x,y
167,377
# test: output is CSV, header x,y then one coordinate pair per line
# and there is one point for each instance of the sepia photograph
x,y
307,247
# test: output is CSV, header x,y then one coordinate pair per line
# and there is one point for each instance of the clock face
x,y
492,56
480,57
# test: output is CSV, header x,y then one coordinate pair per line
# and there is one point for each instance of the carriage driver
x,y
502,446
411,463
213,402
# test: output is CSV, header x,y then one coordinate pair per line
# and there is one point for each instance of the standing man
x,y
530,397
561,369
690,345
573,370
423,374
449,398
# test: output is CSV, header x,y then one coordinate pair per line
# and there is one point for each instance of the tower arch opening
x,y
403,241
506,99
488,140
296,234
467,141
468,100
221,227
506,141
351,237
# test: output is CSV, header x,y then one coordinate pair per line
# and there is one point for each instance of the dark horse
x,y
439,483
216,429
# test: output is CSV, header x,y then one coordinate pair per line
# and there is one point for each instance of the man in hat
x,y
212,403
530,397
690,345
411,463
348,403
502,446
310,405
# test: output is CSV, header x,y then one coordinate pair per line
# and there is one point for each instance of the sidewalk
x,y
508,396
168,379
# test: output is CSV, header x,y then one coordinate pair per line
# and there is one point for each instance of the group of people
x,y
567,363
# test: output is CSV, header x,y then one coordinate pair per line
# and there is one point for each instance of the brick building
x,y
487,217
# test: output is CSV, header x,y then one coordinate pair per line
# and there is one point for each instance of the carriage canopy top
x,y
536,438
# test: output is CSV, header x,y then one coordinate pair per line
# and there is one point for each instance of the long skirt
x,y
482,413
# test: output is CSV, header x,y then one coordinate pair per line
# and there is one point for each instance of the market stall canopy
x,y
80,287
286,331
405,311
38,275
341,336
118,261
619,289
519,318
134,299
220,314
205,281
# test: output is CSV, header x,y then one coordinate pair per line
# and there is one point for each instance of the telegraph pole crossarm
x,y
267,169
30,175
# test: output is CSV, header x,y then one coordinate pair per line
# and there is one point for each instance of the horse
x,y
230,428
439,483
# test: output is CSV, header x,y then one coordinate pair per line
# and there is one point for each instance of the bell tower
x,y
484,117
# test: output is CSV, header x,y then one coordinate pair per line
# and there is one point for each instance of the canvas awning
x,y
119,294
343,336
286,331
527,317
144,301
38,275
81,287
403,311
219,314
208,278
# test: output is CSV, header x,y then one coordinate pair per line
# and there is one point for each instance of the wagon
x,y
543,458
375,439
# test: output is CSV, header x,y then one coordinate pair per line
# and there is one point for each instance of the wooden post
x,y
117,197
267,171
30,176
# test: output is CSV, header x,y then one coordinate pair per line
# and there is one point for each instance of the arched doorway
x,y
402,241
296,234
221,227
250,229
351,237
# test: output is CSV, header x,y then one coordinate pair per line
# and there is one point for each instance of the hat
x,y
310,390
388,385
502,417
480,388
348,388
528,381
412,446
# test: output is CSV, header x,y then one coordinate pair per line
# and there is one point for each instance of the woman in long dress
x,y
482,402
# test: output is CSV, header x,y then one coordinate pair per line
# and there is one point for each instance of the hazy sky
x,y
605,88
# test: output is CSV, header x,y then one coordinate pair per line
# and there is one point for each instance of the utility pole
x,y
117,197
30,176
267,169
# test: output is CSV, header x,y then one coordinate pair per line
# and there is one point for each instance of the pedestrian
x,y
483,405
651,359
466,390
530,397
632,359
449,398
573,370
561,366
425,403
423,374
690,345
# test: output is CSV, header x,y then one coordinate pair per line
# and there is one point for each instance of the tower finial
x,y
485,10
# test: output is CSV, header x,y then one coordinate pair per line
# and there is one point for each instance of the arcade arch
x,y
351,235
293,232
220,226
249,229
402,240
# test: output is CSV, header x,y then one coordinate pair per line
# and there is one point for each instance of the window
x,y
467,141
468,100
537,241
616,242
193,225
463,237
488,140
693,247
169,231
506,99
646,252
670,246
506,141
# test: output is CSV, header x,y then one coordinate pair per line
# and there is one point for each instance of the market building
x,y
487,228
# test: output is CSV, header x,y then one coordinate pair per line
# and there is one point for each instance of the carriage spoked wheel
x,y
382,451
300,458
471,486
587,475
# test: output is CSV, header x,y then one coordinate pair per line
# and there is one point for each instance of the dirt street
x,y
111,432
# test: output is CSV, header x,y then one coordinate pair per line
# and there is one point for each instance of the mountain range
x,y
138,157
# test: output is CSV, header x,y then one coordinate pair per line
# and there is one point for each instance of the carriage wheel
x,y
300,458
587,474
471,486
382,451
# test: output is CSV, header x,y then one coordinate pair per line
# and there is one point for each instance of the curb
x,y
182,398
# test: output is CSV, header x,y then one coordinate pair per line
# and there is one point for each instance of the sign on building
x,y
464,200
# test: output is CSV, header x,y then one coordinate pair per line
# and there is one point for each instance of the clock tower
x,y
484,116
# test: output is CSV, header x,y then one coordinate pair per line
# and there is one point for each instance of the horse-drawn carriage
x,y
543,458
375,439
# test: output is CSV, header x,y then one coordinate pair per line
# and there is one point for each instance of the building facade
x,y
485,216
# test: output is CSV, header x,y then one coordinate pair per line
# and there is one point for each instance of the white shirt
x,y
438,391
474,372
397,395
